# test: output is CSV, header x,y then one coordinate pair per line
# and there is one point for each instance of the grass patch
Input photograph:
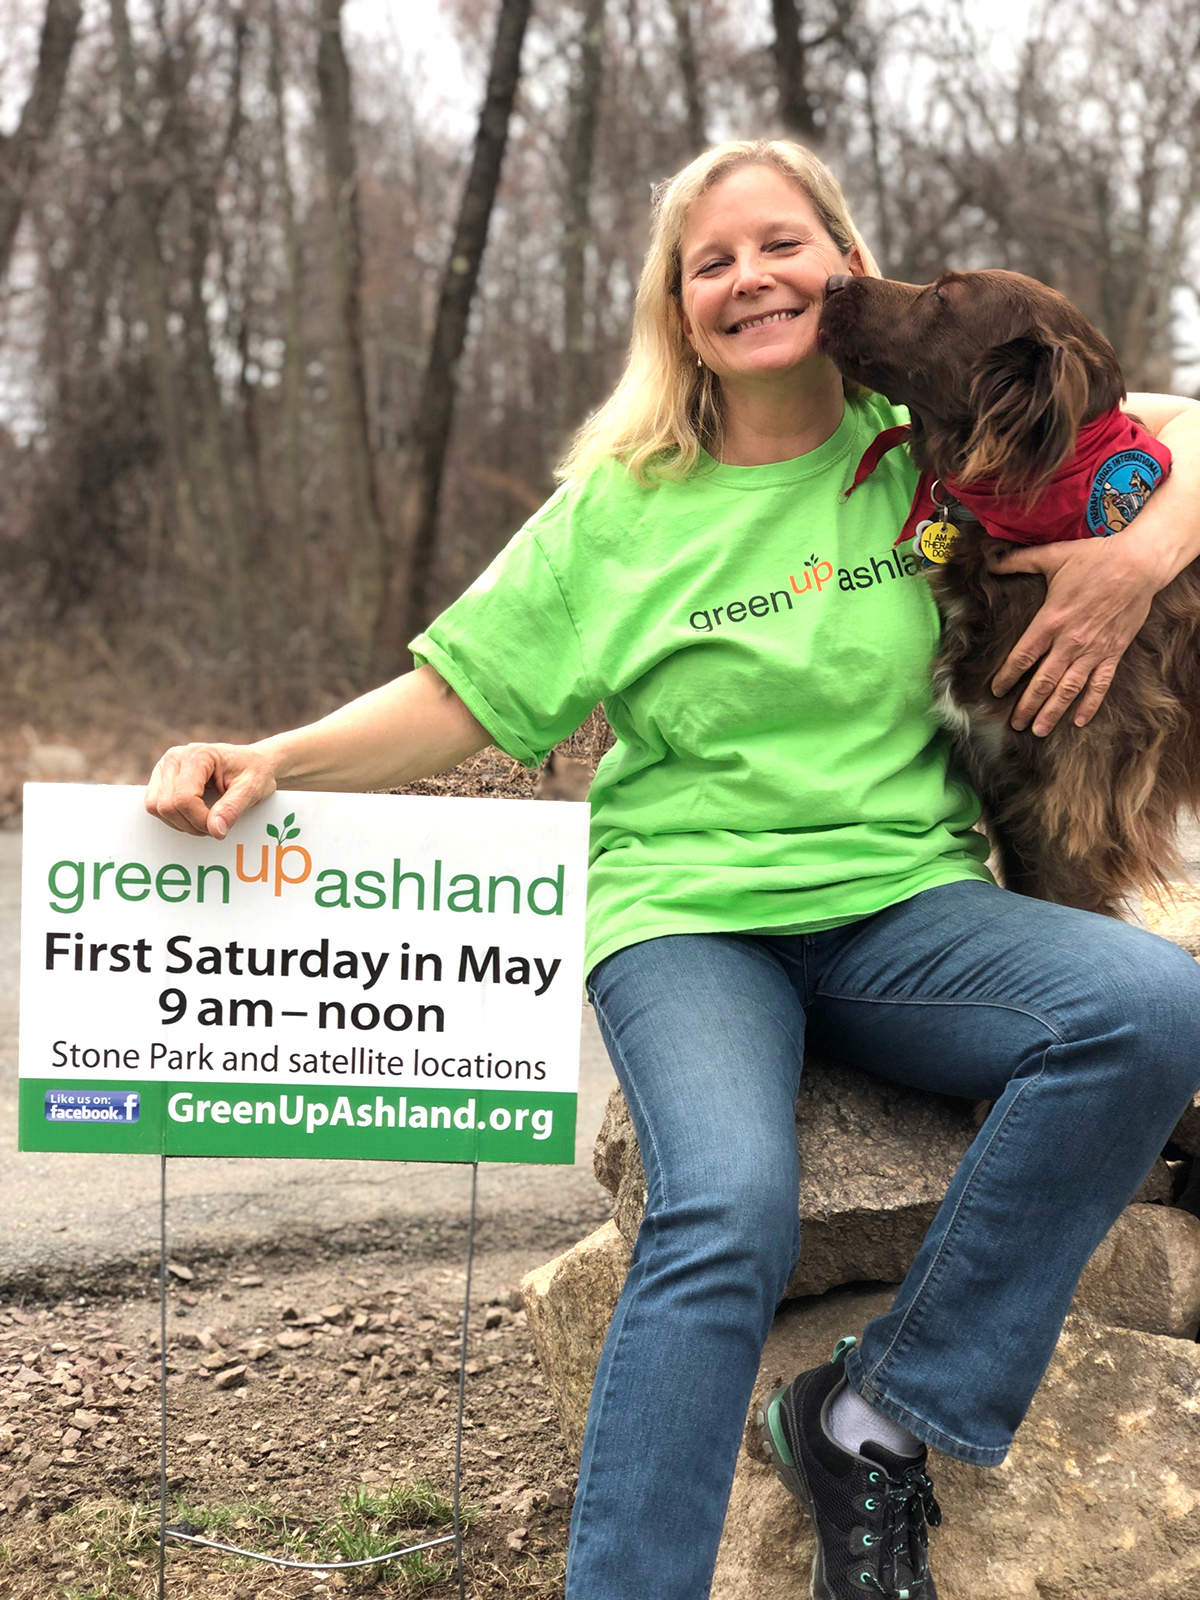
x,y
367,1522
107,1549
535,1577
255,1525
102,1550
370,1522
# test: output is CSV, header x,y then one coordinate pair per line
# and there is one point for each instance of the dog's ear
x,y
1028,397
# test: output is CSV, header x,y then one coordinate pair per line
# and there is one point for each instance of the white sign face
x,y
344,975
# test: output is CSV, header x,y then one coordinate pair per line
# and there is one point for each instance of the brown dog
x,y
1004,380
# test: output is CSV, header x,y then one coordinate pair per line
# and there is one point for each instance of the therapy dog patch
x,y
1120,489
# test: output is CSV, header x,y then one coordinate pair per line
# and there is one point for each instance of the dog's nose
x,y
838,281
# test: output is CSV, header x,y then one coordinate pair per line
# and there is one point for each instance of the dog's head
x,y
998,371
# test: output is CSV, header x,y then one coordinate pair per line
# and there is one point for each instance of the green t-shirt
x,y
763,655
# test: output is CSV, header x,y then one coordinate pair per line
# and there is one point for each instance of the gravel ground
x,y
294,1382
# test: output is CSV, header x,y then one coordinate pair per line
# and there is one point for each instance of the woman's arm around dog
x,y
1099,590
409,728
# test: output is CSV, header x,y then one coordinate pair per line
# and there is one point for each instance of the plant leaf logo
x,y
288,831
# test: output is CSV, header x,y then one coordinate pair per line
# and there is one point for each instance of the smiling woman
x,y
743,239
781,844
754,261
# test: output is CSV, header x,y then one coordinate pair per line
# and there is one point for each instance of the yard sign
x,y
353,976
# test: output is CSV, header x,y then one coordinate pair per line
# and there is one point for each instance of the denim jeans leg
x,y
1086,1034
706,1035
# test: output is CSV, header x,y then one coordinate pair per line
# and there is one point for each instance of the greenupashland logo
x,y
816,574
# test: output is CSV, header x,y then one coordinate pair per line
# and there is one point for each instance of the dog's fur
x,y
999,373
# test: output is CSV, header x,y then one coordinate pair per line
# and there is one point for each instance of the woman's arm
x,y
409,728
1099,590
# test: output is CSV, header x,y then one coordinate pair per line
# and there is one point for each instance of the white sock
x,y
852,1421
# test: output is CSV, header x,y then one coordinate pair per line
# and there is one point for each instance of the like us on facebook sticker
x,y
93,1105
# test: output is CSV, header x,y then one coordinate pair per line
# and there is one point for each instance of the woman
x,y
780,844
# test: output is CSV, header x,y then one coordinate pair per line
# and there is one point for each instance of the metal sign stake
x,y
183,1537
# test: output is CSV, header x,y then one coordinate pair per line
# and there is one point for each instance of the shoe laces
x,y
907,1506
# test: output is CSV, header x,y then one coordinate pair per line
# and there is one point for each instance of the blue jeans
x,y
1086,1034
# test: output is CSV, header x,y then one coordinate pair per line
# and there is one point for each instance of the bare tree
x,y
693,90
794,47
142,204
581,143
191,323
435,407
22,151
1079,166
203,165
293,349
367,560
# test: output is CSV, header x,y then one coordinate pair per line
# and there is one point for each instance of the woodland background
x,y
286,357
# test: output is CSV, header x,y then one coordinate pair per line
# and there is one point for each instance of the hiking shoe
x,y
869,1510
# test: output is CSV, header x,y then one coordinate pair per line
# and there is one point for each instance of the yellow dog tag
x,y
935,540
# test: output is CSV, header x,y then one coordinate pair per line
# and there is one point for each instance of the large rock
x,y
569,1303
1099,1498
1175,915
1146,1273
876,1159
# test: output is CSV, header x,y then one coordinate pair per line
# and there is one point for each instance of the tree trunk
x,y
367,556
435,408
693,93
796,109
150,278
21,151
868,63
293,355
581,143
218,496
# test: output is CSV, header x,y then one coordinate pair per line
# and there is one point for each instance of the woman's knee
x,y
744,1231
1151,999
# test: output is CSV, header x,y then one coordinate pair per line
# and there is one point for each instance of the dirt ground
x,y
311,1403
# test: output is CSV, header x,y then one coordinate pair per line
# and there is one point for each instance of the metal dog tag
x,y
935,541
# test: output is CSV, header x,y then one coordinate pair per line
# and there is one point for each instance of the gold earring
x,y
699,362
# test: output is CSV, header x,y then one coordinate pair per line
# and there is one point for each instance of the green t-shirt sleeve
x,y
510,649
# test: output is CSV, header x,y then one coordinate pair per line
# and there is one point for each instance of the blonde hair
x,y
666,409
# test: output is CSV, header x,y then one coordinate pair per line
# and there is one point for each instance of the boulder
x,y
1146,1273
1175,915
1099,1498
569,1303
876,1159
1096,1499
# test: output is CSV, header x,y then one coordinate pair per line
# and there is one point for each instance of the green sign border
x,y
355,1125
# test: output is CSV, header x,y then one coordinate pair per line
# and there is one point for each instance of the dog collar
x,y
1096,492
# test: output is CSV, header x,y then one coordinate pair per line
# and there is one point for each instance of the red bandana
x,y
1096,492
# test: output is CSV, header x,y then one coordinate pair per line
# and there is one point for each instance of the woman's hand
x,y
1100,590
241,774
407,729
1097,597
